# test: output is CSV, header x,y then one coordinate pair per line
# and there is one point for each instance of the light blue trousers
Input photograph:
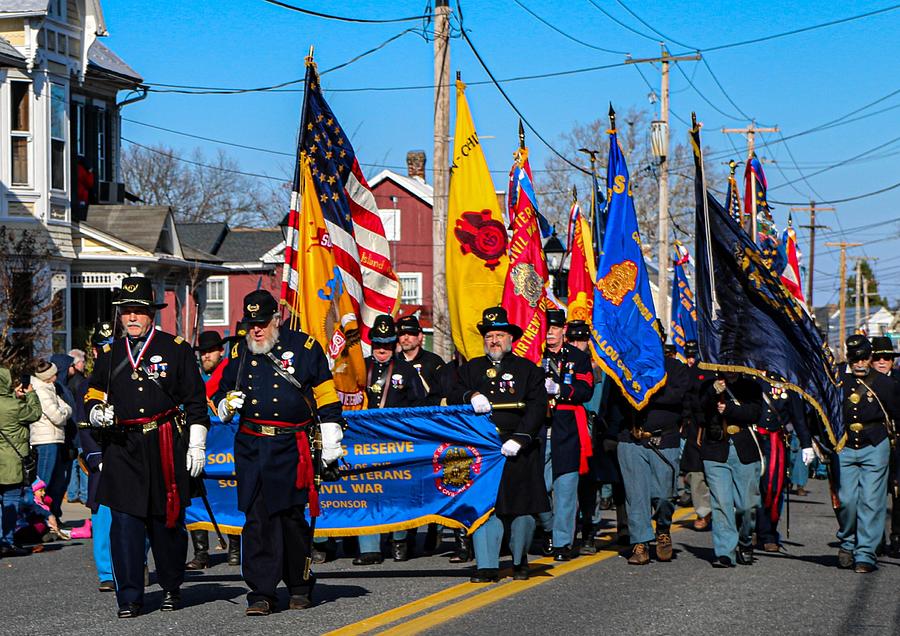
x,y
649,484
487,538
734,493
565,504
372,542
862,489
100,524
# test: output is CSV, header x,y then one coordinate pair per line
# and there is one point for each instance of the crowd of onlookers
x,y
39,453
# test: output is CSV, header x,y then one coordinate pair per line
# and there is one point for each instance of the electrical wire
x,y
341,18
857,197
564,34
622,24
238,91
646,24
171,155
722,88
512,105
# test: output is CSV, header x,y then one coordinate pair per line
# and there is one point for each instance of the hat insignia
x,y
105,331
130,288
252,308
492,316
383,328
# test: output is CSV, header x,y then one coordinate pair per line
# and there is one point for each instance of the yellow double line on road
x,y
475,600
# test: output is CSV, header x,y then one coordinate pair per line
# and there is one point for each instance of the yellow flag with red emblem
x,y
476,247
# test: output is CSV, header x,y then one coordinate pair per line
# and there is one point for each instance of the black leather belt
x,y
270,430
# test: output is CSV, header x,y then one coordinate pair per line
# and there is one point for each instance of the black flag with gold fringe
x,y
747,320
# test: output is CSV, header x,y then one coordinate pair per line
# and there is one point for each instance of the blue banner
x,y
684,314
402,468
624,333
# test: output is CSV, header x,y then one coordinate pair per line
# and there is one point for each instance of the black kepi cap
x,y
409,324
259,307
858,348
556,318
383,331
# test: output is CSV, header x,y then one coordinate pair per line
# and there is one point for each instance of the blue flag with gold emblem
x,y
402,468
748,321
624,333
684,314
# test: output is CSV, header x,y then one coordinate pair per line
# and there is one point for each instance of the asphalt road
x,y
800,591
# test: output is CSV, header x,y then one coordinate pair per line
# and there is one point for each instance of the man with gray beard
x,y
278,380
511,388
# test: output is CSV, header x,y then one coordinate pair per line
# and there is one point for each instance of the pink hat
x,y
37,485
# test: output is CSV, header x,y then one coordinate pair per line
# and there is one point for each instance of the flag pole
x,y
695,127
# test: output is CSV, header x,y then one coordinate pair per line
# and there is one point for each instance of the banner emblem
x,y
483,236
621,279
527,283
456,467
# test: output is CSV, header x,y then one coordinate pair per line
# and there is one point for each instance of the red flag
x,y
582,271
525,291
791,274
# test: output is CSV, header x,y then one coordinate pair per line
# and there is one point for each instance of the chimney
x,y
415,164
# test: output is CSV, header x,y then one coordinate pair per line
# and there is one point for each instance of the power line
x,y
813,27
622,24
236,91
857,197
515,108
724,92
341,18
649,26
564,34
200,164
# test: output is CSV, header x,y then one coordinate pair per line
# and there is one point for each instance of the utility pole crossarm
x,y
812,227
843,300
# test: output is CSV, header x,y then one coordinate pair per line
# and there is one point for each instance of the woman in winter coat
x,y
18,408
48,434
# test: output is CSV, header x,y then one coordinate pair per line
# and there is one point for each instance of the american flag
x,y
355,232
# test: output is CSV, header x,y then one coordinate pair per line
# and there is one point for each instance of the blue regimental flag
x,y
624,334
684,314
402,468
747,320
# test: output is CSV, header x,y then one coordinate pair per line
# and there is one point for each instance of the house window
x,y
216,310
412,288
102,140
80,146
20,134
57,137
390,219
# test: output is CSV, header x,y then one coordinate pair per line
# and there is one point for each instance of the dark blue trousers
x,y
127,539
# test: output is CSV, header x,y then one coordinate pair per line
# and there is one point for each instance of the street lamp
x,y
284,226
555,252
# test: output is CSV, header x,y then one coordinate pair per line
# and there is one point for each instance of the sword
x,y
317,479
507,406
212,517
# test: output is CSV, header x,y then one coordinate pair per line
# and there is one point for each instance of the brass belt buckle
x,y
267,430
856,427
731,429
150,426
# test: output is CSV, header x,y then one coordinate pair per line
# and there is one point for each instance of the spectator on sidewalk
x,y
19,407
48,434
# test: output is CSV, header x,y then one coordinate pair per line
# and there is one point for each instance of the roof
x,y
9,55
21,7
193,254
414,185
101,57
243,245
206,237
140,225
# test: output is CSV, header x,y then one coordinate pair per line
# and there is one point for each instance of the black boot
x,y
546,543
463,547
432,539
200,541
400,550
893,549
234,549
587,540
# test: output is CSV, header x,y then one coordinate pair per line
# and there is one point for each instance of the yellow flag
x,y
476,237
325,309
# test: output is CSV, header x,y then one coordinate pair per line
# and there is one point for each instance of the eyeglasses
x,y
882,357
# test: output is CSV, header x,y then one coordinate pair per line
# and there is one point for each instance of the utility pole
x,y
866,304
662,239
750,132
842,336
441,169
812,209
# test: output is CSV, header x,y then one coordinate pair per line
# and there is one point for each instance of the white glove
x,y
102,415
480,403
332,434
196,453
807,455
232,402
510,448
100,467
551,386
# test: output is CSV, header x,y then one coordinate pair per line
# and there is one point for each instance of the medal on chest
x,y
507,383
287,361
135,361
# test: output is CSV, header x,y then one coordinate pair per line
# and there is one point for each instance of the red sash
x,y
306,476
776,471
584,435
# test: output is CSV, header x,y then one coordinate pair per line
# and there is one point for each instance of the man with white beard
x,y
276,379
511,388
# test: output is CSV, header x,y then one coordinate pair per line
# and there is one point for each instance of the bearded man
x,y
278,380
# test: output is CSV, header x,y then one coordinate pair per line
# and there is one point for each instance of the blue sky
x,y
796,82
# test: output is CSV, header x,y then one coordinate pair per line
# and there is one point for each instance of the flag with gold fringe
x,y
525,291
582,268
